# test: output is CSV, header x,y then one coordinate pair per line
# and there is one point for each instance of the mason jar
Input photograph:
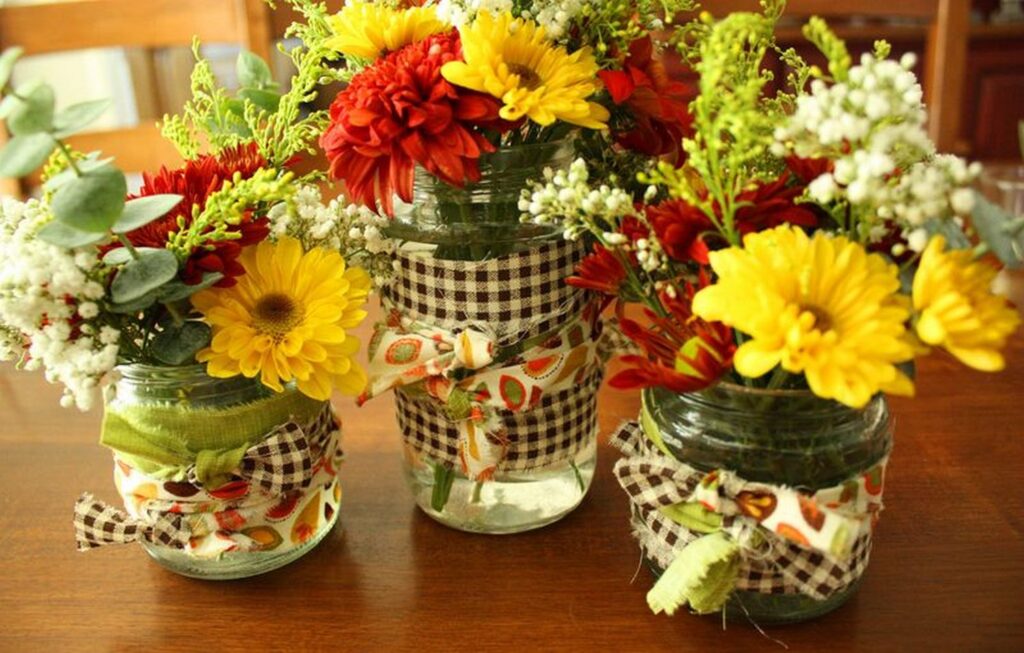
x,y
178,435
790,438
481,222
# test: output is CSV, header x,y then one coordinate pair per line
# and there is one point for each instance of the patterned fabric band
x,y
554,431
517,297
716,532
282,492
496,362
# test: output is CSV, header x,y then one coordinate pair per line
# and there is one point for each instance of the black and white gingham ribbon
x,y
281,462
777,566
549,434
519,296
98,524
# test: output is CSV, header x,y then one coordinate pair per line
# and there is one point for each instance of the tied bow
x,y
98,524
732,519
279,463
464,371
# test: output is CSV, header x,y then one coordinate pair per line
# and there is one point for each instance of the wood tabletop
x,y
946,574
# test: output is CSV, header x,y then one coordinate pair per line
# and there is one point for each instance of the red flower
x,y
807,170
196,181
601,271
680,228
658,104
401,111
772,204
684,353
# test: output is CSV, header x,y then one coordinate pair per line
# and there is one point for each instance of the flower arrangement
x,y
775,280
811,238
230,260
443,85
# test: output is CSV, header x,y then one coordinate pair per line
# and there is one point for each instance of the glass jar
x,y
160,421
481,222
780,437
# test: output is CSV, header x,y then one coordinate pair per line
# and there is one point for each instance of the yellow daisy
x,y
820,306
368,30
286,320
513,61
956,309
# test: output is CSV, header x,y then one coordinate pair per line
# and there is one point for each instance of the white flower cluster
x,y
354,231
568,200
460,12
48,301
555,16
872,127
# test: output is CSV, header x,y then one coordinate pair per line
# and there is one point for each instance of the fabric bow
x,y
730,519
473,380
98,524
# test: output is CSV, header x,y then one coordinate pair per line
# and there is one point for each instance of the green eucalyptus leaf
x,y
175,291
8,105
23,154
7,61
266,100
177,345
92,202
999,230
77,116
34,112
134,306
951,231
64,235
63,177
253,72
140,212
122,255
139,276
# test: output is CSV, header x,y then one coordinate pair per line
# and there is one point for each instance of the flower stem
x,y
127,244
67,157
443,478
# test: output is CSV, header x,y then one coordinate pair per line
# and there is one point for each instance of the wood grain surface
x,y
947,573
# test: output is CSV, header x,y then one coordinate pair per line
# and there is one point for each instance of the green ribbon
x,y
164,440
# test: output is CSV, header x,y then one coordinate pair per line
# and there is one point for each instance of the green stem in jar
x,y
444,476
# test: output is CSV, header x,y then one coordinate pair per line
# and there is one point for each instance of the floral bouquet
x,y
218,300
450,109
805,249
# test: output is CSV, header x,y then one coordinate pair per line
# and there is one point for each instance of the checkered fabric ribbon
x,y
98,524
280,463
518,296
554,431
772,560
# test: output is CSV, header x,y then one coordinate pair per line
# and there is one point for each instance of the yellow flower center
x,y
822,320
276,314
527,77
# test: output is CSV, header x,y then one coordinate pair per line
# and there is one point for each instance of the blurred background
x,y
137,53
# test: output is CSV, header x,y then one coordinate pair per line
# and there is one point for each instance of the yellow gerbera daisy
x,y
367,30
820,306
956,309
513,61
286,318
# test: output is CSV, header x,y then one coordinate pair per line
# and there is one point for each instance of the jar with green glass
x,y
745,452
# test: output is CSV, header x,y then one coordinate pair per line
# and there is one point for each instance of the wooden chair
x,y
148,24
948,22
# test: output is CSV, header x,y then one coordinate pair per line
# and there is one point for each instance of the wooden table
x,y
946,575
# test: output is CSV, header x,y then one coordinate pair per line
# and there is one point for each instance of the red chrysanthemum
x,y
600,271
195,182
807,170
401,111
684,353
680,227
772,204
660,117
